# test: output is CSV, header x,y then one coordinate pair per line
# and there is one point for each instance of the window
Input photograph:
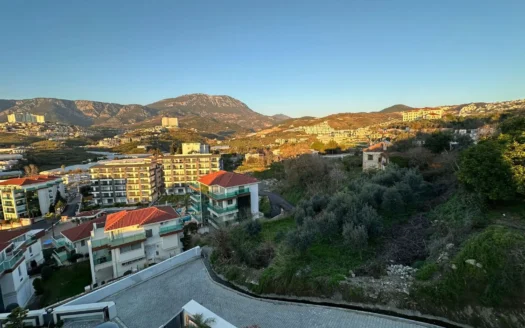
x,y
82,243
370,157
230,201
130,248
30,251
20,270
157,253
149,233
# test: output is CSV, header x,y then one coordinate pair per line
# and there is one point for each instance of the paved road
x,y
155,301
277,202
70,209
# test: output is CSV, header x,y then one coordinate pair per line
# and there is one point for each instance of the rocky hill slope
x,y
225,112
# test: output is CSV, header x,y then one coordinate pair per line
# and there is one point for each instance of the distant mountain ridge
x,y
396,108
219,110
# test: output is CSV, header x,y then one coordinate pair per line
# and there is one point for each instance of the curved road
x,y
155,301
277,202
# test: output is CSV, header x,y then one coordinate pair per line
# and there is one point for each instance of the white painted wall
x,y
16,286
254,198
374,163
34,252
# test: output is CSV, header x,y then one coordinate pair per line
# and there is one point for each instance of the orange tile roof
x,y
141,216
226,179
29,180
375,148
82,231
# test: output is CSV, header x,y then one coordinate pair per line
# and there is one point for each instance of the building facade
x,y
129,241
19,251
195,148
170,122
222,197
422,114
182,170
375,157
129,181
29,197
25,118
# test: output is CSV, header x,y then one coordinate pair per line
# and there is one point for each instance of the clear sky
x,y
292,57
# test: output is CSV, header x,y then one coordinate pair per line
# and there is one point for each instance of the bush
x,y
10,307
253,228
265,207
426,271
47,272
37,285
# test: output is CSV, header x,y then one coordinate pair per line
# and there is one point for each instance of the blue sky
x,y
292,57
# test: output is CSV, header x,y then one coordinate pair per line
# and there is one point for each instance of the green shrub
x,y
497,278
37,285
399,161
426,271
47,272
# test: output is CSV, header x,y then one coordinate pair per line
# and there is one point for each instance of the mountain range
x,y
219,113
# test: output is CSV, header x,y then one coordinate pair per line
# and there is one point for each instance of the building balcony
x,y
194,186
60,257
62,242
121,239
171,228
10,262
222,210
195,197
196,207
219,196
101,259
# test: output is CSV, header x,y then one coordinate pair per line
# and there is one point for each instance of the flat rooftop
x,y
155,301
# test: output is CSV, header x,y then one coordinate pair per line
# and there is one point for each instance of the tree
x,y
317,145
438,141
31,170
16,318
355,236
47,272
198,321
253,228
59,205
485,169
37,285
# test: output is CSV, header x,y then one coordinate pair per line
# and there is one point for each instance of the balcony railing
x,y
170,228
62,242
196,207
62,256
221,210
233,194
121,240
194,186
10,262
99,242
196,197
102,259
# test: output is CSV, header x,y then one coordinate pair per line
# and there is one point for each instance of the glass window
x,y
230,201
129,248
370,157
82,243
149,233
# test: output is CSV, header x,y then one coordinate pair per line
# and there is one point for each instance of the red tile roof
x,y
142,216
378,147
7,235
83,230
28,181
226,179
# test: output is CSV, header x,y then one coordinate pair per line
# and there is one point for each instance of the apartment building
x,y
128,241
422,114
25,118
29,197
184,169
375,157
74,240
128,181
220,198
19,251
171,122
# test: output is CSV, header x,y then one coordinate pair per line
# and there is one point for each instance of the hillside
x,y
200,111
221,108
396,108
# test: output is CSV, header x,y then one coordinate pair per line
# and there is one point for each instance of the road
x,y
70,210
277,202
154,301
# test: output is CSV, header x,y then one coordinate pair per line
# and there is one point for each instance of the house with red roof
x,y
29,197
375,157
222,197
20,250
130,240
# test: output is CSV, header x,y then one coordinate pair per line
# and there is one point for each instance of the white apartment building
x,y
19,251
422,114
29,197
195,148
375,157
219,198
9,161
129,241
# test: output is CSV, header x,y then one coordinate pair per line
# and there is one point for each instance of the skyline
x,y
299,59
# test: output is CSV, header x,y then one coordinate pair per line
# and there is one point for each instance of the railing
x,y
62,256
102,259
198,217
217,223
228,194
194,186
121,240
196,207
221,210
196,197
99,242
170,228
10,262
62,242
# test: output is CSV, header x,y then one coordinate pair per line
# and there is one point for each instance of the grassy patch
x,y
47,159
8,139
293,195
427,271
66,282
275,171
270,229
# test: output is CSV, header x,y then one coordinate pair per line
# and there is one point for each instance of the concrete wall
x,y
16,286
103,292
254,199
371,164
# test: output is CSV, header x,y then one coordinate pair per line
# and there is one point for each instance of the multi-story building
x,y
132,240
74,240
128,181
19,251
375,157
422,114
29,197
195,148
222,197
25,118
170,122
9,161
181,170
